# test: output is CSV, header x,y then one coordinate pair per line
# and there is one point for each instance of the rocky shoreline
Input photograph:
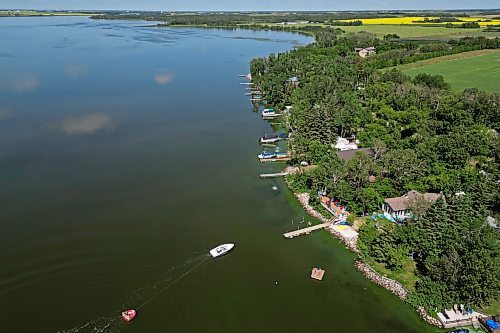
x,y
394,287
351,243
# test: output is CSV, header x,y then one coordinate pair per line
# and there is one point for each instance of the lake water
x,y
126,153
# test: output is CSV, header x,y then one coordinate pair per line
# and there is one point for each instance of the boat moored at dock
x,y
269,138
269,113
265,155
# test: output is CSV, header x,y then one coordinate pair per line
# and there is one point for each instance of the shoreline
x,y
368,272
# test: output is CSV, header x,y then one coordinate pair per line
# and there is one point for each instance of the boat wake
x,y
140,297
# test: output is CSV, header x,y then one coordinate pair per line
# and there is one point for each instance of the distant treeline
x,y
346,23
311,30
239,18
227,19
439,20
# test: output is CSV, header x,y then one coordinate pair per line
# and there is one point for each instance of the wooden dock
x,y
273,175
306,231
282,159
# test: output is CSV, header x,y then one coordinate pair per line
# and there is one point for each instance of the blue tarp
x,y
493,324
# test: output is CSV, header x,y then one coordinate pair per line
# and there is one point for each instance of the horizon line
x,y
255,11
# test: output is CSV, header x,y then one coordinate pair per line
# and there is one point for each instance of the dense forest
x,y
421,136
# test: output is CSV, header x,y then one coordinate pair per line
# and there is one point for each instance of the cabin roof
x,y
346,155
403,202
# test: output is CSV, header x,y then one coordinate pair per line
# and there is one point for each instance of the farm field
x,y
416,19
477,69
406,31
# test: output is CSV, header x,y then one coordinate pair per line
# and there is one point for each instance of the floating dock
x,y
306,231
282,159
317,274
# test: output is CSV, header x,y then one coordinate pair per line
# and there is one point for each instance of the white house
x,y
398,208
364,52
346,144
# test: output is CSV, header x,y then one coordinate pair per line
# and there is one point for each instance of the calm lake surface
x,y
126,153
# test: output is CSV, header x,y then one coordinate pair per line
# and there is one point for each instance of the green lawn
x,y
480,71
493,309
406,276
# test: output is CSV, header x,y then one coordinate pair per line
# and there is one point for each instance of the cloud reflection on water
x,y
75,71
87,124
162,78
21,83
5,114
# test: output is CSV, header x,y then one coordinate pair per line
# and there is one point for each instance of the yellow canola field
x,y
410,20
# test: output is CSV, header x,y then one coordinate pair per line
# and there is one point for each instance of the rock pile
x,y
350,243
426,317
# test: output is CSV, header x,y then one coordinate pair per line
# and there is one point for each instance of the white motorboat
x,y
265,156
269,113
269,138
221,250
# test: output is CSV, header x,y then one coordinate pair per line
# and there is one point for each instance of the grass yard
x,y
477,69
406,276
493,309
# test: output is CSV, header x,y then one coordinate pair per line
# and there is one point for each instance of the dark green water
x,y
126,153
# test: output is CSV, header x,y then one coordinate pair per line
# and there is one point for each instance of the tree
x,y
431,81
403,166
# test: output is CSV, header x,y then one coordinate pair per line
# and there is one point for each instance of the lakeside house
x,y
293,22
347,155
365,51
399,208
348,143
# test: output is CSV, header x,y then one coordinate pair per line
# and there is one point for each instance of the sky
x,y
248,5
